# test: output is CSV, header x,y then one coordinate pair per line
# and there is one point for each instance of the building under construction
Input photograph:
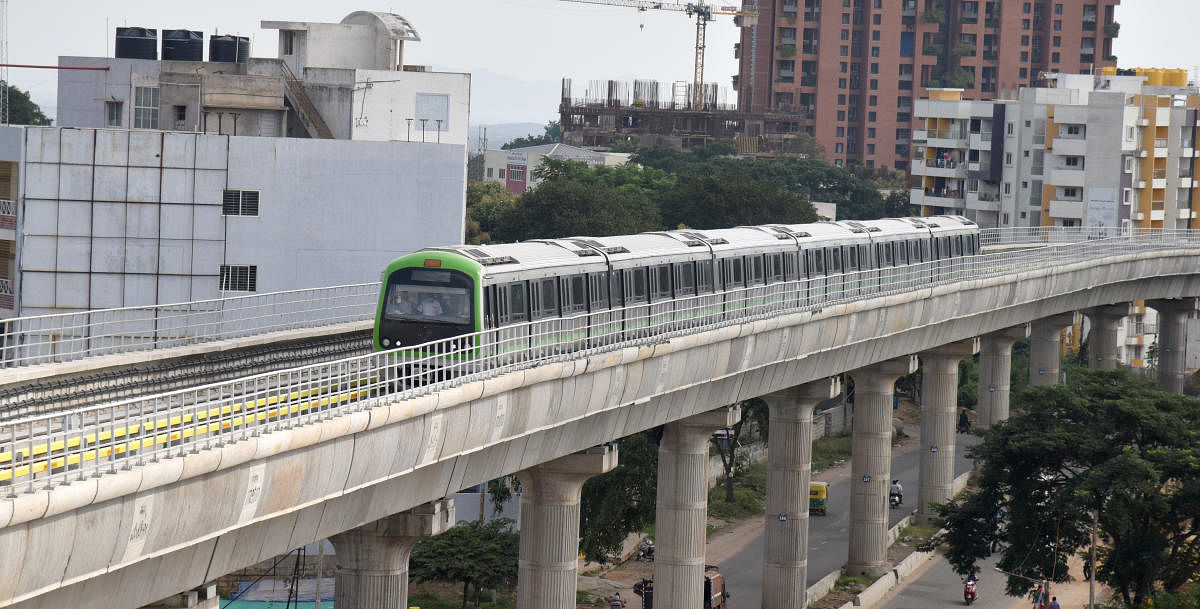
x,y
664,114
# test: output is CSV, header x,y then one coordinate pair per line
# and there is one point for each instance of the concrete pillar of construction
x,y
1172,341
1045,348
548,569
871,463
789,468
682,510
204,597
995,373
1102,344
372,560
939,405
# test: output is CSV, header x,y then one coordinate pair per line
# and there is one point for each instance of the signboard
x,y
1100,215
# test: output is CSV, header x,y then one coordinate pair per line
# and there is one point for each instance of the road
x,y
828,536
938,586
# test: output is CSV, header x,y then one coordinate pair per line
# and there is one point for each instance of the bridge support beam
x,y
789,469
1172,341
372,560
939,405
871,463
1102,344
548,569
995,373
1045,348
681,514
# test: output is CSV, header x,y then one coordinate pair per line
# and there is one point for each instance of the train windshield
x,y
426,303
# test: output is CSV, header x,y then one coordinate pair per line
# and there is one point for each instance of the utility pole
x,y
4,111
1092,560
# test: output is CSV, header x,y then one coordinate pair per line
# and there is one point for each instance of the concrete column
x,y
548,570
871,463
1045,348
789,469
1172,341
939,405
372,560
681,513
1102,345
995,373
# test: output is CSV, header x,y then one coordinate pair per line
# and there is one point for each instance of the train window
x,y
901,252
789,266
852,258
598,290
925,254
835,260
956,241
616,289
545,298
936,252
775,271
888,258
914,251
945,246
636,288
704,276
516,309
661,282
574,296
733,267
817,265
864,257
756,269
685,278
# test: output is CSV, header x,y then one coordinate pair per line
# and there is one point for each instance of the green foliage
x,y
897,205
749,491
968,382
479,555
732,198
1112,30
828,450
487,204
1108,443
804,146
629,144
474,168
22,110
620,502
962,79
936,14
786,50
962,49
552,135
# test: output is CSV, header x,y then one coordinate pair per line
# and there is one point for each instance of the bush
x,y
830,449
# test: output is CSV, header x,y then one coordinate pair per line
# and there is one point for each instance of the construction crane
x,y
703,14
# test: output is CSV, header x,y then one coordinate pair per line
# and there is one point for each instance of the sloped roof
x,y
398,26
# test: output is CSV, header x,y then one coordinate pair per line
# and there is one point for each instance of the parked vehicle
x,y
715,594
818,497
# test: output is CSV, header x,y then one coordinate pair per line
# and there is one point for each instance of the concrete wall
x,y
381,109
142,534
81,93
125,218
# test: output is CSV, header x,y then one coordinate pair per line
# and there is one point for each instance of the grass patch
x,y
426,599
853,583
749,491
918,532
828,450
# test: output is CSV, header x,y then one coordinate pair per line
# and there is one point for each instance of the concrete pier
x,y
1102,344
682,510
1045,348
372,560
1172,341
789,469
871,463
548,570
939,407
995,374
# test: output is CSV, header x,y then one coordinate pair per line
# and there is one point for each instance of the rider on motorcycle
x,y
897,491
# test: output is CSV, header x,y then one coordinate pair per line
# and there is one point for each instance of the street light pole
x,y
1092,560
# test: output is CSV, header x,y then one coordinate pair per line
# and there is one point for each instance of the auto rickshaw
x,y
818,497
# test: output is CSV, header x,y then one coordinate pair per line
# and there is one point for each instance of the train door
x,y
574,324
601,329
662,303
637,297
815,259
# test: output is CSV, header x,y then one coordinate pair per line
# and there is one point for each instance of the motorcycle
x,y
969,591
646,550
894,500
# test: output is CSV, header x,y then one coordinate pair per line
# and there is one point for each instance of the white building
x,y
170,181
1108,151
517,168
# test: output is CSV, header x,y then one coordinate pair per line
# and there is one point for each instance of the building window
x,y
837,148
239,278
1072,161
873,101
1011,127
1070,193
841,115
239,203
1058,8
112,113
1008,159
841,132
1007,188
145,108
1127,196
489,172
1128,164
871,132
1054,57
871,116
501,176
1024,185
289,42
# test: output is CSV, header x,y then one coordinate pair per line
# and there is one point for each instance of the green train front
x,y
428,296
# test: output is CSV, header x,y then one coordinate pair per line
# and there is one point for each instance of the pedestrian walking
x,y
1054,602
616,602
1039,598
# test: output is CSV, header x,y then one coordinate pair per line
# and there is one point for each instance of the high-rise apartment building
x,y
1113,151
850,69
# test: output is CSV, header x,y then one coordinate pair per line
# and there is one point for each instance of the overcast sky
x,y
525,46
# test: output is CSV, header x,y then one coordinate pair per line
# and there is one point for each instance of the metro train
x,y
442,292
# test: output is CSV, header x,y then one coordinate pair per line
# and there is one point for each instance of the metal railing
x,y
64,337
49,449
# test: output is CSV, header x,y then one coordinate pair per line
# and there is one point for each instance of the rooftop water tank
x,y
182,45
228,49
137,43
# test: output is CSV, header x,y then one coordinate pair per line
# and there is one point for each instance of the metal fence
x,y
66,337
46,449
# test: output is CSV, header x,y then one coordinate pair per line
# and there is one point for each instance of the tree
x,y
474,167
726,442
487,204
22,110
552,135
732,198
482,555
620,502
1107,443
896,205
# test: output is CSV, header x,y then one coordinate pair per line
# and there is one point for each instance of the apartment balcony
x,y
951,138
1187,214
1069,146
944,197
1066,177
1139,184
980,141
808,48
939,168
919,135
6,297
1158,183
1160,148
8,220
909,9
1157,214
1066,209
1188,182
983,201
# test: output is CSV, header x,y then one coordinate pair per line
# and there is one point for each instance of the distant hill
x,y
503,133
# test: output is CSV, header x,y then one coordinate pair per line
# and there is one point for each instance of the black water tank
x,y
228,49
137,43
182,45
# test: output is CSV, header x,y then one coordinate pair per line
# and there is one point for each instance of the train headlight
x,y
387,341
